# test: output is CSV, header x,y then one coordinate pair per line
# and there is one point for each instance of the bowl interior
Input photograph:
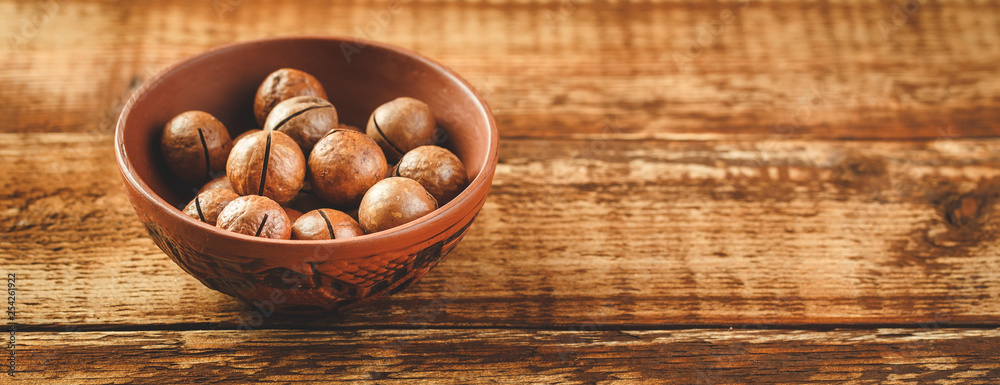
x,y
357,79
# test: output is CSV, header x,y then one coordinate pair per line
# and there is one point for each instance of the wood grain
x,y
821,176
561,68
883,356
617,232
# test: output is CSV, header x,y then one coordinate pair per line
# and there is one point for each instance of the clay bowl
x,y
302,276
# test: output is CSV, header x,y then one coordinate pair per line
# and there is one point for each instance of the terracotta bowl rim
x,y
457,208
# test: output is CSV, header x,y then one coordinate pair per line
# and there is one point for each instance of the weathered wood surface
x,y
668,169
624,232
884,356
669,69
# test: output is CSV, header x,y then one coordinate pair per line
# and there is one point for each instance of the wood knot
x,y
858,165
963,211
966,219
861,172
864,166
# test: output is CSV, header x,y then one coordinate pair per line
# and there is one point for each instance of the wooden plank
x,y
890,356
558,68
781,232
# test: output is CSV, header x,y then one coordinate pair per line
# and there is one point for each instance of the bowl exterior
x,y
323,281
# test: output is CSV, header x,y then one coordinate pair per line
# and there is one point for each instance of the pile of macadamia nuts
x,y
304,161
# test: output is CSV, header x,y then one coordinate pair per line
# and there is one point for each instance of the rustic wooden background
x,y
688,192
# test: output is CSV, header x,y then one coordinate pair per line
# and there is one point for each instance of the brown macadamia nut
x,y
284,84
244,134
207,205
293,214
325,224
353,213
257,216
267,163
219,182
195,144
344,165
304,118
400,126
435,168
393,202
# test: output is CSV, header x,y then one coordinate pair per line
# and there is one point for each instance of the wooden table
x,y
688,192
